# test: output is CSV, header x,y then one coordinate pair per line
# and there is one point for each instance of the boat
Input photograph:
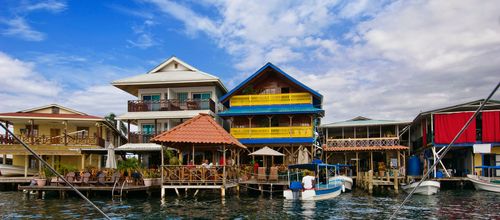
x,y
346,180
322,189
428,187
10,170
485,183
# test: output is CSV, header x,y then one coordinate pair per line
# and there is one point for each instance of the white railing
x,y
363,142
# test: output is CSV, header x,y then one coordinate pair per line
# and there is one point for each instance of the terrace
x,y
170,105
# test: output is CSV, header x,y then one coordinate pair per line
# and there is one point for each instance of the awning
x,y
272,109
139,147
266,151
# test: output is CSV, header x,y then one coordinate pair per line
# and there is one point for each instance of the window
x,y
182,96
285,90
55,110
176,65
152,102
202,96
82,132
148,128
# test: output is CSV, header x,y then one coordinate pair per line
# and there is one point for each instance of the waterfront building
x,y
271,108
479,144
57,133
367,144
167,95
205,137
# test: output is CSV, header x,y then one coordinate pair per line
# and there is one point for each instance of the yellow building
x,y
57,134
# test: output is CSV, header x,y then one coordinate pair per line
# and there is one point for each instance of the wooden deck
x,y
87,188
255,182
15,179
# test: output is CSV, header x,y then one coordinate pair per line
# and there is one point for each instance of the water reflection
x,y
461,204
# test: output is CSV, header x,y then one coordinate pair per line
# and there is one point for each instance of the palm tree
x,y
111,117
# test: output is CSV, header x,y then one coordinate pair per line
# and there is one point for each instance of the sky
x,y
378,59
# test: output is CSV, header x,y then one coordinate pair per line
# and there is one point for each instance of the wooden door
x,y
55,136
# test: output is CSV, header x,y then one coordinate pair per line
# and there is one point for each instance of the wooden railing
x,y
271,99
140,137
198,174
272,132
170,105
363,142
42,139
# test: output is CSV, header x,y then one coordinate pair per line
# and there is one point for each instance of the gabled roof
x,y
256,74
50,106
183,74
201,129
363,121
468,106
33,114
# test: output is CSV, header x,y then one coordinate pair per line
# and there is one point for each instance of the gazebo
x,y
200,133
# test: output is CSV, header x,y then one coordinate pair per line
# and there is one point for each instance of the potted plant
x,y
381,168
42,179
49,175
147,177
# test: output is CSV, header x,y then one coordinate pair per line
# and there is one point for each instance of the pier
x,y
369,182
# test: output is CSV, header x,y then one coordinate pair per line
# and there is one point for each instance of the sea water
x,y
447,204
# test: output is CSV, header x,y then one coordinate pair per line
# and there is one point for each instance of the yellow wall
x,y
478,160
44,128
75,161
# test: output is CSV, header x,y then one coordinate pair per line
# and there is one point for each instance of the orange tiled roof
x,y
366,148
201,129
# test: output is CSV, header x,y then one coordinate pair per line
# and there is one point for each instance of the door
x,y
148,131
55,136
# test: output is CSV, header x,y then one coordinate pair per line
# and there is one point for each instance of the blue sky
x,y
379,59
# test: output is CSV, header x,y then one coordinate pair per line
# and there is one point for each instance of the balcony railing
x,y
140,137
170,105
271,99
272,132
363,142
42,139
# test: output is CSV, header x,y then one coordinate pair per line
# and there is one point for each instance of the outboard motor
x,y
296,188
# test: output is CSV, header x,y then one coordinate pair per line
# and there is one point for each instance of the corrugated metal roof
x,y
48,115
202,129
366,148
272,109
364,122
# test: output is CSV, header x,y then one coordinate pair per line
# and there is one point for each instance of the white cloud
x,y
18,27
51,5
21,78
99,99
387,59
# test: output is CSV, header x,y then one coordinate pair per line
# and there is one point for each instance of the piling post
x,y
396,181
370,181
222,191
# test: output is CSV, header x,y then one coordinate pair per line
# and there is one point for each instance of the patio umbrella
x,y
303,156
111,161
266,151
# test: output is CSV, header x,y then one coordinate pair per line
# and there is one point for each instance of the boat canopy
x,y
309,166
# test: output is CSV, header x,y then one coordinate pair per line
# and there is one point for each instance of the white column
x,y
99,159
4,159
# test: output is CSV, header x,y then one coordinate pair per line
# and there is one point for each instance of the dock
x,y
63,190
369,182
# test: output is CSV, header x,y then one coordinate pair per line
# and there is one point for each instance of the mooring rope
x,y
54,171
446,149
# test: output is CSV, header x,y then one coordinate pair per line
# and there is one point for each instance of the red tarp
x,y
446,126
491,126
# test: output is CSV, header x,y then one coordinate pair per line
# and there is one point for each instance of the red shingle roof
x,y
366,148
201,129
47,115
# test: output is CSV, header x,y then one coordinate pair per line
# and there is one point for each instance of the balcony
x,y
140,137
170,105
272,132
67,140
271,99
363,142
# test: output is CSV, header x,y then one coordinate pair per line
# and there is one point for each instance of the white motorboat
x,y
484,183
347,181
321,190
9,170
428,187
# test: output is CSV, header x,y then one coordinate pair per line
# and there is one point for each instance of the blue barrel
x,y
414,166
